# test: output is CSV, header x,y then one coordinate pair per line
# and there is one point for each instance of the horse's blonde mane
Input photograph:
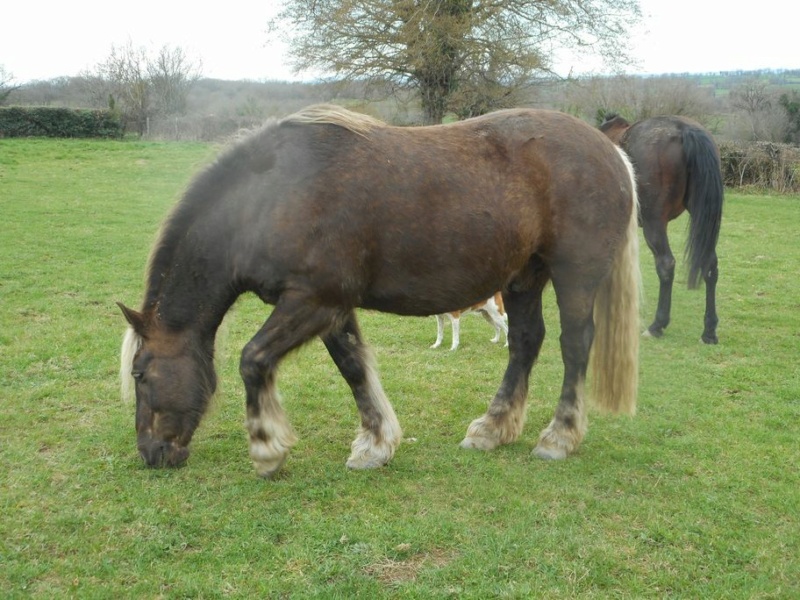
x,y
333,114
130,346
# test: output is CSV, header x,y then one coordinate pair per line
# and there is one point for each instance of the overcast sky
x,y
46,39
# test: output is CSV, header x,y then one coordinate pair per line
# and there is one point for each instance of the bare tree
x,y
141,86
172,74
638,98
125,73
462,55
6,85
759,111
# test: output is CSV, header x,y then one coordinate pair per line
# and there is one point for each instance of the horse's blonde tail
x,y
614,360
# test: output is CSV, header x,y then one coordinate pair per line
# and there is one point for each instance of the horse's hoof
x,y
655,333
366,455
268,469
478,443
709,339
550,453
360,463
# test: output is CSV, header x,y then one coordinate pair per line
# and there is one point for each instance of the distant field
x,y
698,496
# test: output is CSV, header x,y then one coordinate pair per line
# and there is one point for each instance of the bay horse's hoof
x,y
709,339
651,332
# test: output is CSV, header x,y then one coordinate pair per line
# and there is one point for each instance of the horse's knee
x,y
251,365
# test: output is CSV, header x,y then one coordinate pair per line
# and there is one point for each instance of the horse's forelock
x,y
131,343
332,114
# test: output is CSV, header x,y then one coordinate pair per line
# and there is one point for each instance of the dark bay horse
x,y
328,211
677,168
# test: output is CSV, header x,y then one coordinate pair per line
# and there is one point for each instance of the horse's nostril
x,y
153,453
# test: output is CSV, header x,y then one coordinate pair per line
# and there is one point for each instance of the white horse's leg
x,y
456,324
439,331
496,320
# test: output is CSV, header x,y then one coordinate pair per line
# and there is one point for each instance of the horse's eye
x,y
137,375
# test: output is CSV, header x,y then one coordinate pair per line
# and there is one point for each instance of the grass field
x,y
698,496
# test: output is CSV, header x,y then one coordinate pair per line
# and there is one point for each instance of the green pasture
x,y
697,496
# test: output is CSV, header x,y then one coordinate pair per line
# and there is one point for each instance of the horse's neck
x,y
195,292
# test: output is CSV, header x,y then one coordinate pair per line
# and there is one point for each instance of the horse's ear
x,y
133,318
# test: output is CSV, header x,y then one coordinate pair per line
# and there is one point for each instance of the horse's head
x,y
173,377
614,126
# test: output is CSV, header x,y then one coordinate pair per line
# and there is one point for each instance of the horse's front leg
x,y
710,276
293,322
505,417
380,432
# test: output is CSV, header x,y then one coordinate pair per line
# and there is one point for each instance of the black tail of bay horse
x,y
328,211
678,168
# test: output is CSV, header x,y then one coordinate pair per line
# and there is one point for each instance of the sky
x,y
46,39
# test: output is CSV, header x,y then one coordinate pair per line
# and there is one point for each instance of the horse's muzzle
x,y
158,453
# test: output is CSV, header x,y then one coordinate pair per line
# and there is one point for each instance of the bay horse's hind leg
x,y
380,433
710,276
293,321
655,234
505,417
568,427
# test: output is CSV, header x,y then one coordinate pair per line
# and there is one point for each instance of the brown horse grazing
x,y
677,168
327,211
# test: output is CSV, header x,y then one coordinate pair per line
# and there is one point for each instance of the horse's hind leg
x,y
568,427
655,234
380,433
710,276
505,417
293,322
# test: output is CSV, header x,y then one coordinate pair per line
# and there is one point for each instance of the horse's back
x,y
422,220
